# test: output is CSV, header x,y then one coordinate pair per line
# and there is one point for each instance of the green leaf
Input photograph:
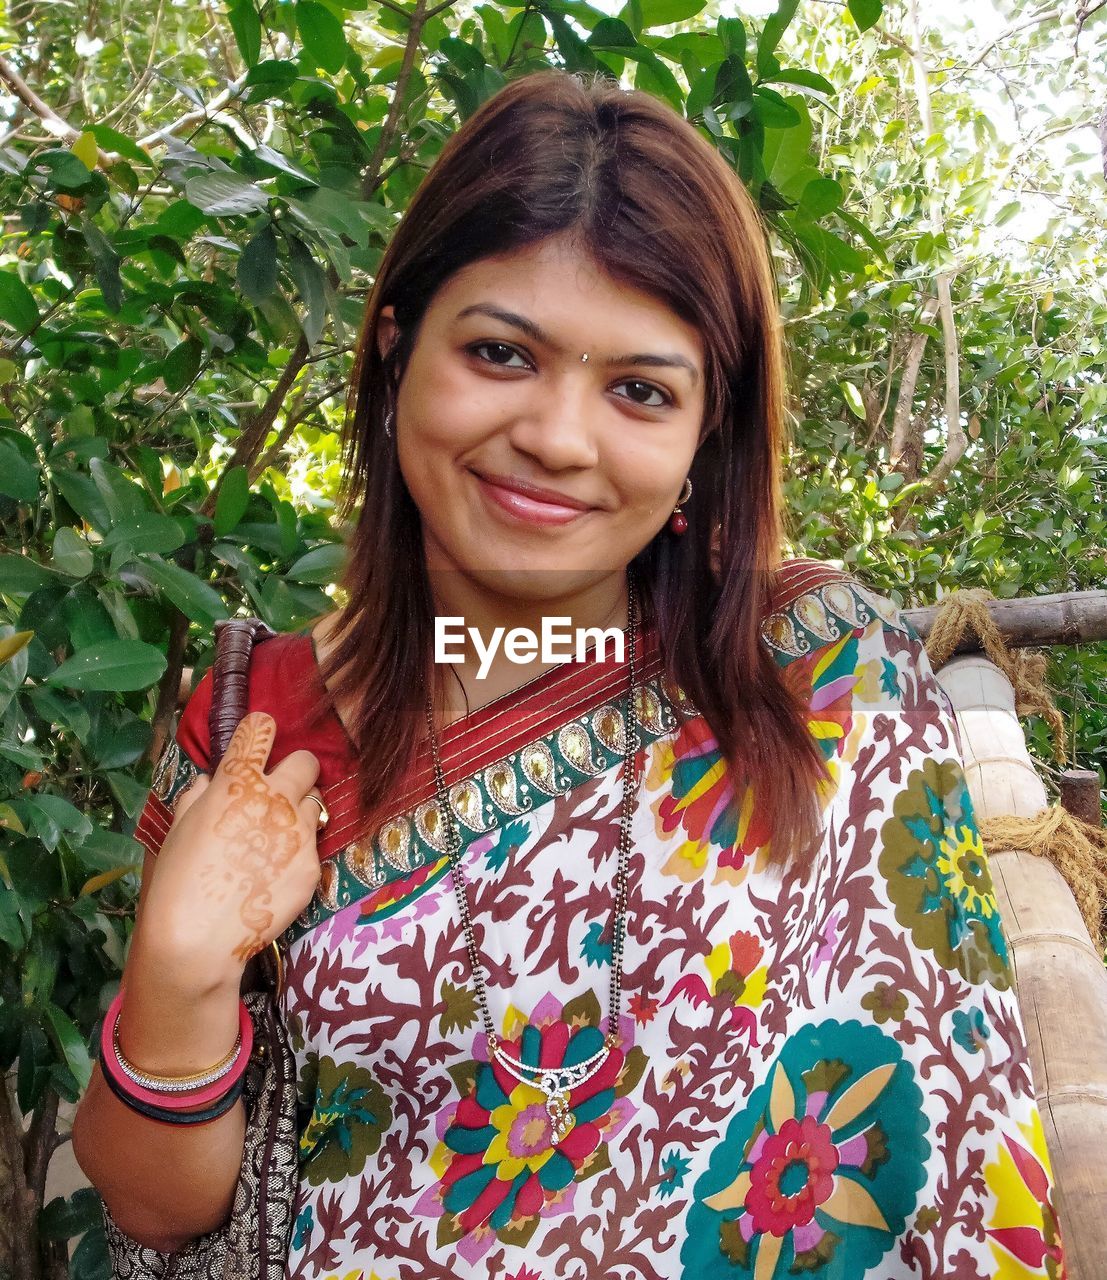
x,y
853,399
257,266
322,35
105,262
195,599
182,364
51,816
19,479
17,303
774,111
1009,211
866,13
148,532
246,26
320,566
276,160
820,197
70,1044
612,33
71,553
82,494
105,850
806,79
115,665
309,278
234,498
20,575
122,497
63,1219
225,194
112,140
659,13
775,26
67,171
90,1260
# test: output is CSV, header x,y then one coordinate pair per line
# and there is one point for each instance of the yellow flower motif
x,y
964,864
357,1275
522,1138
869,686
1023,1230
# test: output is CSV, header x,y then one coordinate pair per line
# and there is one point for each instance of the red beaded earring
x,y
678,521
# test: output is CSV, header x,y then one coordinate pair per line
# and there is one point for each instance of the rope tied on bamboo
x,y
1076,848
965,613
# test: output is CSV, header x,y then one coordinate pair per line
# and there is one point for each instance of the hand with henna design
x,y
240,861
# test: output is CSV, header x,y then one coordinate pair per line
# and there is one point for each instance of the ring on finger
x,y
324,815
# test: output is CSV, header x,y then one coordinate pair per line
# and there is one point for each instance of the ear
x,y
387,329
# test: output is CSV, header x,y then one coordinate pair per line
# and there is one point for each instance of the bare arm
x,y
238,864
164,1184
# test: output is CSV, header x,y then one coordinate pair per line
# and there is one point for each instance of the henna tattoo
x,y
261,825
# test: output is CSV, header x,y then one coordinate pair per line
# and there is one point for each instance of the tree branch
x,y
292,421
901,419
370,178
198,116
250,442
956,439
50,118
169,685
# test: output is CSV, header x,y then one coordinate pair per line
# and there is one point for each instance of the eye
x,y
500,347
649,389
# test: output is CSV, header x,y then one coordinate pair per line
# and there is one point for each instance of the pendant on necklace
x,y
556,1083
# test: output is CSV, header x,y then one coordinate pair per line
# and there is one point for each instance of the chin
x,y
535,584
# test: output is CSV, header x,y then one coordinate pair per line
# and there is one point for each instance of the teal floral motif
x,y
674,1169
304,1224
970,1030
594,949
829,1155
350,1115
937,875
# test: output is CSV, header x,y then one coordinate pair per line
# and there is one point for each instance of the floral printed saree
x,y
822,1076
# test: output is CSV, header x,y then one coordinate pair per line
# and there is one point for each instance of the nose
x,y
558,426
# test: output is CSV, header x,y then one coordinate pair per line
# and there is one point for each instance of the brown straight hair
x,y
659,210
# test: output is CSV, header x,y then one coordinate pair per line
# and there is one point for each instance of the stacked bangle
x,y
170,1116
169,1097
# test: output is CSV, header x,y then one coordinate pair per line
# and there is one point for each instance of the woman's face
x,y
536,473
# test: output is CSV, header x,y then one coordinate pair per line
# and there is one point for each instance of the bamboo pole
x,y
1060,980
1072,617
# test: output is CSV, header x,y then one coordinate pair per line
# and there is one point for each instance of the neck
x,y
485,674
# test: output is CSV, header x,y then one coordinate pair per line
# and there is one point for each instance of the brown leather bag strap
x,y
234,642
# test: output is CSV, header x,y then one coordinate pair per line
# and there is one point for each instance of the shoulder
x,y
814,604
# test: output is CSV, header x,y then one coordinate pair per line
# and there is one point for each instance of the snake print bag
x,y
253,1243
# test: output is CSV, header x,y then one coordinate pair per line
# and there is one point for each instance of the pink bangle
x,y
174,1101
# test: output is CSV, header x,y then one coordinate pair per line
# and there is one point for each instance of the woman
x,y
704,981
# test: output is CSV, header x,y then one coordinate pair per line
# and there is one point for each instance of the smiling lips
x,y
530,502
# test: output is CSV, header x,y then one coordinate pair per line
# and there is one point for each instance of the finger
x,y
315,817
297,772
251,741
188,797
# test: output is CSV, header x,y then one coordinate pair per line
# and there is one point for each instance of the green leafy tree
x,y
195,201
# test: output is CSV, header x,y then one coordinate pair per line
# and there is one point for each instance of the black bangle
x,y
165,1114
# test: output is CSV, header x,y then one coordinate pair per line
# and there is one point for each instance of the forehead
x,y
562,287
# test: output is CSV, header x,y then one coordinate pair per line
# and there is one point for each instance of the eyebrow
x,y
668,360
